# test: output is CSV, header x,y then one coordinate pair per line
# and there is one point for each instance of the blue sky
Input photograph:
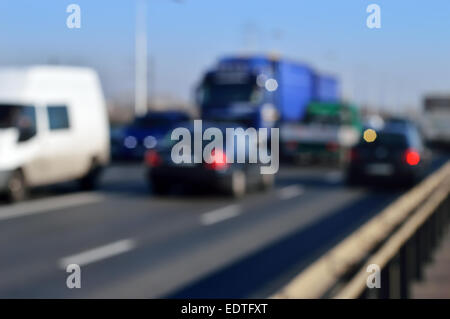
x,y
392,66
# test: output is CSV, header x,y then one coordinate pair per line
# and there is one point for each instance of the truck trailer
x,y
325,135
261,91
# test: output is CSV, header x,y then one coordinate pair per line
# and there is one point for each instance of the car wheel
x,y
160,188
267,181
16,188
90,180
238,184
351,180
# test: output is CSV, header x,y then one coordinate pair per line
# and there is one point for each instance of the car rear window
x,y
392,140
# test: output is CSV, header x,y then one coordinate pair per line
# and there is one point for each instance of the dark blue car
x,y
232,178
144,133
396,155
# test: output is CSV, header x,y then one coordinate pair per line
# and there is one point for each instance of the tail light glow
x,y
412,157
153,159
291,146
332,147
354,155
218,160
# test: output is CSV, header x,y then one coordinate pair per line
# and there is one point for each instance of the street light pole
x,y
141,66
140,101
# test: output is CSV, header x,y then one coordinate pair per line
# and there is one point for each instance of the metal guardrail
x,y
399,240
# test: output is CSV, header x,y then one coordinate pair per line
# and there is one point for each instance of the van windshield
x,y
18,116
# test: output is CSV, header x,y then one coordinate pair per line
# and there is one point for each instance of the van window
x,y
26,123
58,117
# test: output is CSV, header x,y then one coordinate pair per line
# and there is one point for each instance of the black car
x,y
396,155
233,179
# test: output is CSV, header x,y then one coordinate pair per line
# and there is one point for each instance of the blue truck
x,y
262,91
326,89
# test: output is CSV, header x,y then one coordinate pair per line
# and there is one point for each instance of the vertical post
x,y
430,239
419,251
435,222
412,257
373,293
385,282
394,278
446,213
406,268
426,242
140,101
440,221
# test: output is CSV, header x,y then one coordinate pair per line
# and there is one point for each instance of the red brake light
x,y
219,160
412,157
354,156
153,159
332,147
291,146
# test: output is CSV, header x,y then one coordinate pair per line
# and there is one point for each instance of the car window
x,y
387,139
58,117
416,139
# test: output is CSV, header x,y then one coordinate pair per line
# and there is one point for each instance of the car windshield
x,y
16,116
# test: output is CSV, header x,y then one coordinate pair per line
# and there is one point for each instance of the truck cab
x,y
240,90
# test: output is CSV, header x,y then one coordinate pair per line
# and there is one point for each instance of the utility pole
x,y
140,99
151,80
141,66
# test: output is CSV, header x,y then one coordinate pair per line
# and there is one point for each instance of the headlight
x,y
130,142
150,142
271,85
269,113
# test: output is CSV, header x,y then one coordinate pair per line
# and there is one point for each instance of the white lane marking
x,y
99,253
41,206
291,191
220,214
334,177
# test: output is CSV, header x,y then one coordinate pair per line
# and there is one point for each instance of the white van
x,y
53,128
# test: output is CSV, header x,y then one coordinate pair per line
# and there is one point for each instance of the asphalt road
x,y
131,244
